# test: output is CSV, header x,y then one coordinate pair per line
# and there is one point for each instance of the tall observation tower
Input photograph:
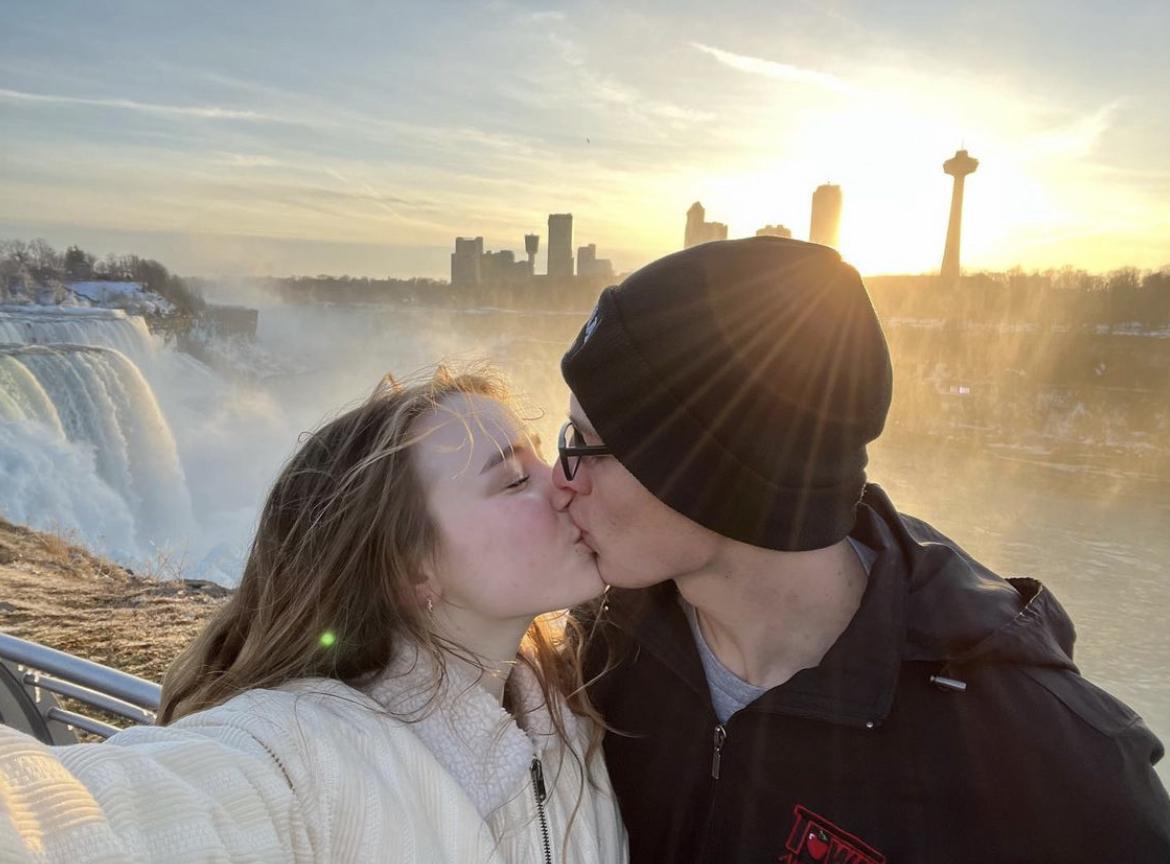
x,y
958,166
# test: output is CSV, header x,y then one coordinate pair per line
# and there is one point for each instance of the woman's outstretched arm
x,y
207,791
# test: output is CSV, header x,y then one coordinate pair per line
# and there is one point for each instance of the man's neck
x,y
766,615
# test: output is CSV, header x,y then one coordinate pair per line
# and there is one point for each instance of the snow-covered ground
x,y
123,295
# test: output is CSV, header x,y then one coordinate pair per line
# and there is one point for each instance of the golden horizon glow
x,y
247,170
884,144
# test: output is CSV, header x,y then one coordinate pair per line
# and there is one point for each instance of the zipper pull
x,y
538,780
720,737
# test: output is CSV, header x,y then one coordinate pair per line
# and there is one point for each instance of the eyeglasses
x,y
571,446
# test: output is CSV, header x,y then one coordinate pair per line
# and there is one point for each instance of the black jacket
x,y
864,758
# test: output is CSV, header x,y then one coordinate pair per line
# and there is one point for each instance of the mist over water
x,y
1031,490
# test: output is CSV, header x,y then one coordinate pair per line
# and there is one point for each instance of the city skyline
x,y
162,132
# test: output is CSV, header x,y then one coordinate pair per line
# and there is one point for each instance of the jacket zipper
x,y
540,793
717,755
720,738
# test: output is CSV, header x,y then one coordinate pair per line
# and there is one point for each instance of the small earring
x,y
430,605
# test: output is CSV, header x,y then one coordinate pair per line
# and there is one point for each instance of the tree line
x,y
1124,299
1067,298
576,293
36,269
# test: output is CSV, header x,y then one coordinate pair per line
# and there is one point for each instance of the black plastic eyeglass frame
x,y
570,455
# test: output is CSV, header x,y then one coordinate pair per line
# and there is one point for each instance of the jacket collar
x,y
926,601
855,682
463,726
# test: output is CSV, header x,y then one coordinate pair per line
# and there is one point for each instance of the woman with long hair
x,y
382,686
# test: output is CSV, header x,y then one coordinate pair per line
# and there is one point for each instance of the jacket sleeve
x,y
1102,757
207,791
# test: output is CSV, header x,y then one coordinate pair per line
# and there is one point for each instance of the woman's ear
x,y
428,593
426,584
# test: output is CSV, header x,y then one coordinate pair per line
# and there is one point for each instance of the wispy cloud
x,y
1078,138
248,160
207,112
777,71
544,16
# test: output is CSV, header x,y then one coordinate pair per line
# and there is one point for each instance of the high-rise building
x,y
774,231
588,264
586,258
471,265
465,261
560,245
958,166
498,266
825,225
699,230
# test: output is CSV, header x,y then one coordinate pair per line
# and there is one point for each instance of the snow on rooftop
x,y
101,292
132,295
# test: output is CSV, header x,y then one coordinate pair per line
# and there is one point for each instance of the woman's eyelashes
x,y
520,464
518,482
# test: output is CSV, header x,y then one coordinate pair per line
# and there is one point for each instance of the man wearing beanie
x,y
790,669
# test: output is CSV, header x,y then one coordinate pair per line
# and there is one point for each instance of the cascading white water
x,y
22,398
142,453
56,325
97,401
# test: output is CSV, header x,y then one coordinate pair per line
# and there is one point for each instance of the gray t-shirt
x,y
729,692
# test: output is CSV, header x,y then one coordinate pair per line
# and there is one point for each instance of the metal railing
x,y
33,675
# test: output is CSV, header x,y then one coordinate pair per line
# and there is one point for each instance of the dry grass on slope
x,y
62,596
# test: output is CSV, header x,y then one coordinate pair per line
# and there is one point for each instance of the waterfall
x,y
23,398
57,325
95,400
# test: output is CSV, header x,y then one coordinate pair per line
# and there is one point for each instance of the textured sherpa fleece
x,y
470,734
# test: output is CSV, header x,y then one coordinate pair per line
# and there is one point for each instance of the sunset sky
x,y
362,137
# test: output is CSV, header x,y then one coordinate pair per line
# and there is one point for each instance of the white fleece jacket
x,y
316,772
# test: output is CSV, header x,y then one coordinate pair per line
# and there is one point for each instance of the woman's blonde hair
x,y
329,586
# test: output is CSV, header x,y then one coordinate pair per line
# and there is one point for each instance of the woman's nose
x,y
564,489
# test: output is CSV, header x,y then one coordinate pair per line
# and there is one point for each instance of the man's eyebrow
x,y
502,454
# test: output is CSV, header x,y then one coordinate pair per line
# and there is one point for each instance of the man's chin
x,y
613,579
625,579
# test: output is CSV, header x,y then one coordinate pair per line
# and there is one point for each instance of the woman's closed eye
x,y
518,482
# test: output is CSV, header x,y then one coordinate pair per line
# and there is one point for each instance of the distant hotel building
x,y
825,224
502,267
465,261
470,265
774,231
699,230
560,245
588,264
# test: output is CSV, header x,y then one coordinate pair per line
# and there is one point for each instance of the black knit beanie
x,y
739,382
